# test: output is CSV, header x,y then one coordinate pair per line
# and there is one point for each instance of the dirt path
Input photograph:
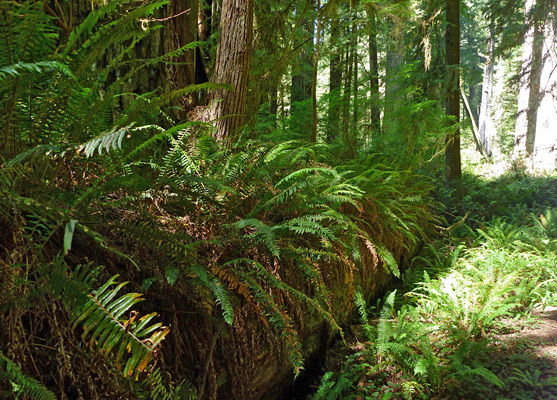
x,y
527,358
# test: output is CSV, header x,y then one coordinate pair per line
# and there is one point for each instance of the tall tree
x,y
227,107
315,71
453,169
485,122
375,112
335,77
532,65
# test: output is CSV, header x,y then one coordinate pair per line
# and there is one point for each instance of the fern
x,y
22,383
112,138
106,329
221,295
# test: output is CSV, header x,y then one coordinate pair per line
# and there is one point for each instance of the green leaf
x,y
68,235
171,274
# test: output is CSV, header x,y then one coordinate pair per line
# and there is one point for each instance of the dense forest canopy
x,y
204,198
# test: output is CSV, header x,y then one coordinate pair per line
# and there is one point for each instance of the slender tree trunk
x,y
227,107
452,151
395,58
346,92
355,82
375,112
335,80
182,29
485,122
315,70
302,72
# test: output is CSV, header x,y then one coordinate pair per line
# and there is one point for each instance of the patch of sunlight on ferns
x,y
21,383
467,302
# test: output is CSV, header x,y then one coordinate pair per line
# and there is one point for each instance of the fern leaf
x,y
103,323
112,138
25,384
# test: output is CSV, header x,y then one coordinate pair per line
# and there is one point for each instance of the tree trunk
x,y
375,112
227,107
302,72
394,60
452,151
529,93
335,80
485,122
355,60
535,80
346,92
315,71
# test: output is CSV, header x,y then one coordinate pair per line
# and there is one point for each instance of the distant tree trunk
x,y
227,107
335,80
315,71
182,30
395,58
355,87
375,112
205,15
302,72
453,169
534,97
485,122
346,91
529,95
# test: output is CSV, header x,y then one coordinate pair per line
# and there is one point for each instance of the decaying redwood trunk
x,y
227,106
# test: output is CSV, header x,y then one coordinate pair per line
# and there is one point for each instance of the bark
x,y
181,30
534,97
346,91
529,94
204,20
375,112
355,87
394,60
475,130
302,75
452,151
315,70
227,106
335,80
485,121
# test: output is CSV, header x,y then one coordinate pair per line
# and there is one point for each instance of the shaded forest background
x,y
198,197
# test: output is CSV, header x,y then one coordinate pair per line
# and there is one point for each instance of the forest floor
x,y
534,342
474,315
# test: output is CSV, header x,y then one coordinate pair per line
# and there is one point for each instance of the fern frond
x,y
263,232
112,138
15,70
22,383
102,319
221,295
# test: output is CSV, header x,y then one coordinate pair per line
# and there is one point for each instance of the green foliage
x,y
22,384
101,319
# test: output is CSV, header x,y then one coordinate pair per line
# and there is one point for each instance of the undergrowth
x,y
109,212
434,340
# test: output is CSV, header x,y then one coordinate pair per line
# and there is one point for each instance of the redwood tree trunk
x,y
485,123
534,96
335,80
453,169
227,107
375,113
